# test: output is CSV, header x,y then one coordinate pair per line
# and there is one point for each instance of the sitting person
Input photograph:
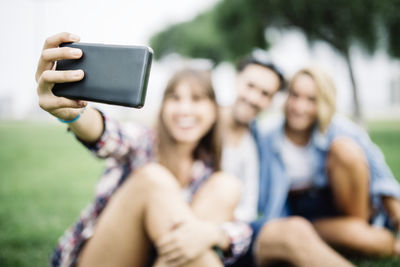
x,y
162,193
325,169
257,82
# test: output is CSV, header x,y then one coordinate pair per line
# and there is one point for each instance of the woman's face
x,y
188,112
301,104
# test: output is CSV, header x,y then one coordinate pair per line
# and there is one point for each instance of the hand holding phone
x,y
114,74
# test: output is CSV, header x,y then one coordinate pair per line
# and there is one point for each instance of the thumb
x,y
176,223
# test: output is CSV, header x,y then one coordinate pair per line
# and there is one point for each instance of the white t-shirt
x,y
242,162
298,164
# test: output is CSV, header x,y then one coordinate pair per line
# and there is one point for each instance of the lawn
x,y
47,178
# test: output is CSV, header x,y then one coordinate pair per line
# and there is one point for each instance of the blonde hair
x,y
326,94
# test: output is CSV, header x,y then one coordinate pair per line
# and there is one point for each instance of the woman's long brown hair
x,y
209,148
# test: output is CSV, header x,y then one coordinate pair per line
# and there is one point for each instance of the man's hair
x,y
251,60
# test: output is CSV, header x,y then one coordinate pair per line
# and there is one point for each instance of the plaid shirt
x,y
126,148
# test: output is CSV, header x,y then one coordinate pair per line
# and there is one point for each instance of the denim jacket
x,y
274,182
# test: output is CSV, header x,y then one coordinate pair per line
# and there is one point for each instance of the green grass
x,y
47,178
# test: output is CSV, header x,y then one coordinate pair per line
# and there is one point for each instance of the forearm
x,y
89,127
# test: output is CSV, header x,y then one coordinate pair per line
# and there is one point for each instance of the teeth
x,y
186,122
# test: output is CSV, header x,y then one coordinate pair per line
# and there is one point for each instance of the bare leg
x,y
217,199
207,259
349,179
295,241
140,212
356,236
348,174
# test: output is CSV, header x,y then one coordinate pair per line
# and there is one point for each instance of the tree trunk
x,y
357,107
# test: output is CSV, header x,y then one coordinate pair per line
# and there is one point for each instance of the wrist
x,y
221,239
74,118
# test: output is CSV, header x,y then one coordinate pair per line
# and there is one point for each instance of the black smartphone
x,y
114,74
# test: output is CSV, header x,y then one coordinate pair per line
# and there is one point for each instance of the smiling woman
x,y
327,170
161,189
188,110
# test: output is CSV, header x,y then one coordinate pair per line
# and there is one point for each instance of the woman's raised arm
x,y
89,125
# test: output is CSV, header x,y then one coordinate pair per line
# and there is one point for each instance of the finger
x,y
82,103
62,76
167,248
176,260
174,257
57,39
51,103
164,240
176,224
58,53
50,77
179,262
53,42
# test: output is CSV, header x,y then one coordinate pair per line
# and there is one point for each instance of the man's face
x,y
256,85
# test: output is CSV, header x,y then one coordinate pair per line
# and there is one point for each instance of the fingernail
x,y
74,37
77,73
76,52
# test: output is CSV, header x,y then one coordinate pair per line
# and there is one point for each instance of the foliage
x,y
234,27
198,38
390,19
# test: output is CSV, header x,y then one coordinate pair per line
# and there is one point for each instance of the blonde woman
x,y
325,169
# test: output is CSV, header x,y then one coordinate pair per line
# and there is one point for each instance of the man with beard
x,y
256,84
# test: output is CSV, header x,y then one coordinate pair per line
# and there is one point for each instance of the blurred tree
x,y
241,26
196,38
390,11
235,27
340,23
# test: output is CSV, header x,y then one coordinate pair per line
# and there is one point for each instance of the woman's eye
x,y
265,93
198,97
174,97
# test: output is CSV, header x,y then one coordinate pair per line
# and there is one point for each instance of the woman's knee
x,y
345,152
348,174
217,198
151,177
226,186
287,232
222,189
284,238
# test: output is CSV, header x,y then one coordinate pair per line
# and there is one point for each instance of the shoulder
x,y
270,127
343,126
129,131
